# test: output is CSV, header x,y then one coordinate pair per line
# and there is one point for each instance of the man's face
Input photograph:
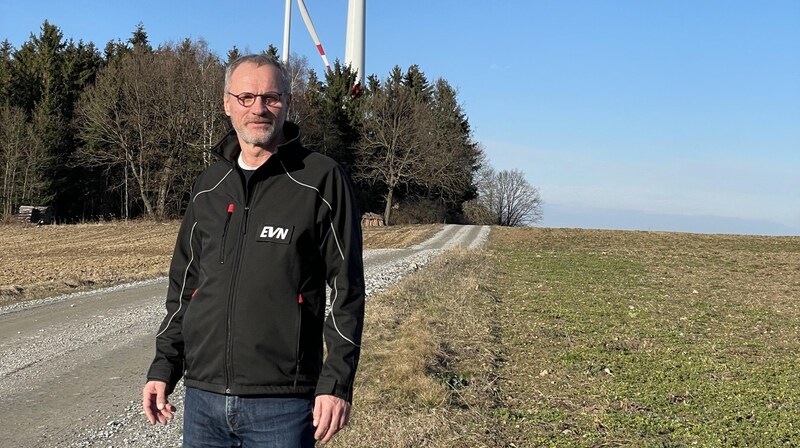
x,y
258,124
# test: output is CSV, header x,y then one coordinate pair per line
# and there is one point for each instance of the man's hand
x,y
331,414
155,403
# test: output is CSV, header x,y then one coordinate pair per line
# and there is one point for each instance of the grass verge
x,y
427,377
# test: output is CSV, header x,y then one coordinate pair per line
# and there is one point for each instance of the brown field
x,y
49,260
44,261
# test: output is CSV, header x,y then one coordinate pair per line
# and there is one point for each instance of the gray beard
x,y
262,139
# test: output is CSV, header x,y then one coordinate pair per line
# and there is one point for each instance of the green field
x,y
582,338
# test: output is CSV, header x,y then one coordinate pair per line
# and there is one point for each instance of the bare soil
x,y
50,260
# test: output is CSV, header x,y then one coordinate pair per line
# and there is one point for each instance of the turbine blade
x,y
313,32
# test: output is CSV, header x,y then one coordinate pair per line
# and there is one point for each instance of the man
x,y
267,226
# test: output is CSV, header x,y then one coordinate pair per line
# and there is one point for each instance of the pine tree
x,y
80,65
341,110
272,50
139,41
458,155
416,81
373,83
6,51
114,51
233,54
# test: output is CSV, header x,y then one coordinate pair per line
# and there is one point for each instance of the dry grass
x,y
426,375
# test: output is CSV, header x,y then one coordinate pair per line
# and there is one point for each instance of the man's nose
x,y
260,104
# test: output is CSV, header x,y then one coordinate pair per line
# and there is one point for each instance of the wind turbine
x,y
354,37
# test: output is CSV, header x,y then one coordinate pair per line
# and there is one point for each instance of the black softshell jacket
x,y
246,298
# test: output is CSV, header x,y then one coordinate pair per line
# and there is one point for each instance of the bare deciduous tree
x,y
153,115
505,199
13,142
392,152
416,143
518,202
24,156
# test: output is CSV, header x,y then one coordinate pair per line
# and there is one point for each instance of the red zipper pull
x,y
300,299
230,208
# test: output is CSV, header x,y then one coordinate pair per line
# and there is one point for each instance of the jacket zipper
x,y
297,348
225,233
234,284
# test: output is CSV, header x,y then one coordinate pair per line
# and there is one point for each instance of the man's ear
x,y
226,104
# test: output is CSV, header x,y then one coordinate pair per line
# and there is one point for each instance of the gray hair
x,y
259,60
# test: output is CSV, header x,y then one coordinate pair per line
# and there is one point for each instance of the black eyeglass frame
x,y
247,99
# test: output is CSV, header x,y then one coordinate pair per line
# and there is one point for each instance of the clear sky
x,y
651,115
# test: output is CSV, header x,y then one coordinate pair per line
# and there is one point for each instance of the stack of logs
x,y
34,214
371,220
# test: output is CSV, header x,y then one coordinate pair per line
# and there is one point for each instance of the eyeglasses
x,y
247,99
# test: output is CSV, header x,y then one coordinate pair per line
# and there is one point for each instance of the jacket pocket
x,y
225,234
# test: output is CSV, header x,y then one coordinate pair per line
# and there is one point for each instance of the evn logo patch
x,y
275,234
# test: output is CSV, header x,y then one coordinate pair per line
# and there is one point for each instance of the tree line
x,y
123,132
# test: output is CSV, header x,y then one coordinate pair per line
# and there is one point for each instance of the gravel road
x,y
72,367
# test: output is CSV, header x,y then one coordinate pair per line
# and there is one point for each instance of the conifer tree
x,y
233,54
6,51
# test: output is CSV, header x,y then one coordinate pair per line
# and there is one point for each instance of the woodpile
x,y
35,214
371,220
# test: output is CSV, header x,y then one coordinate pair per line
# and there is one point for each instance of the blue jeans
x,y
215,420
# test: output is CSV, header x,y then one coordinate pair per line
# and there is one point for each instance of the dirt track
x,y
71,369
67,364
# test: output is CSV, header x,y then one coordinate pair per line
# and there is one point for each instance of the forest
x,y
122,132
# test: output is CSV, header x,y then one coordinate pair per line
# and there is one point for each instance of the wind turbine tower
x,y
355,38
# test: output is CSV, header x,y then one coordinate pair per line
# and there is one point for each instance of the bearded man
x,y
268,225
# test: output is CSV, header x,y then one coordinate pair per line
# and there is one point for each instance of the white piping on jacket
x,y
338,246
183,285
333,229
335,296
212,188
191,258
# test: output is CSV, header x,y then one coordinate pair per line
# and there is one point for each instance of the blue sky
x,y
649,115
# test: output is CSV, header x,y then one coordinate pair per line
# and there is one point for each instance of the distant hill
x,y
556,215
